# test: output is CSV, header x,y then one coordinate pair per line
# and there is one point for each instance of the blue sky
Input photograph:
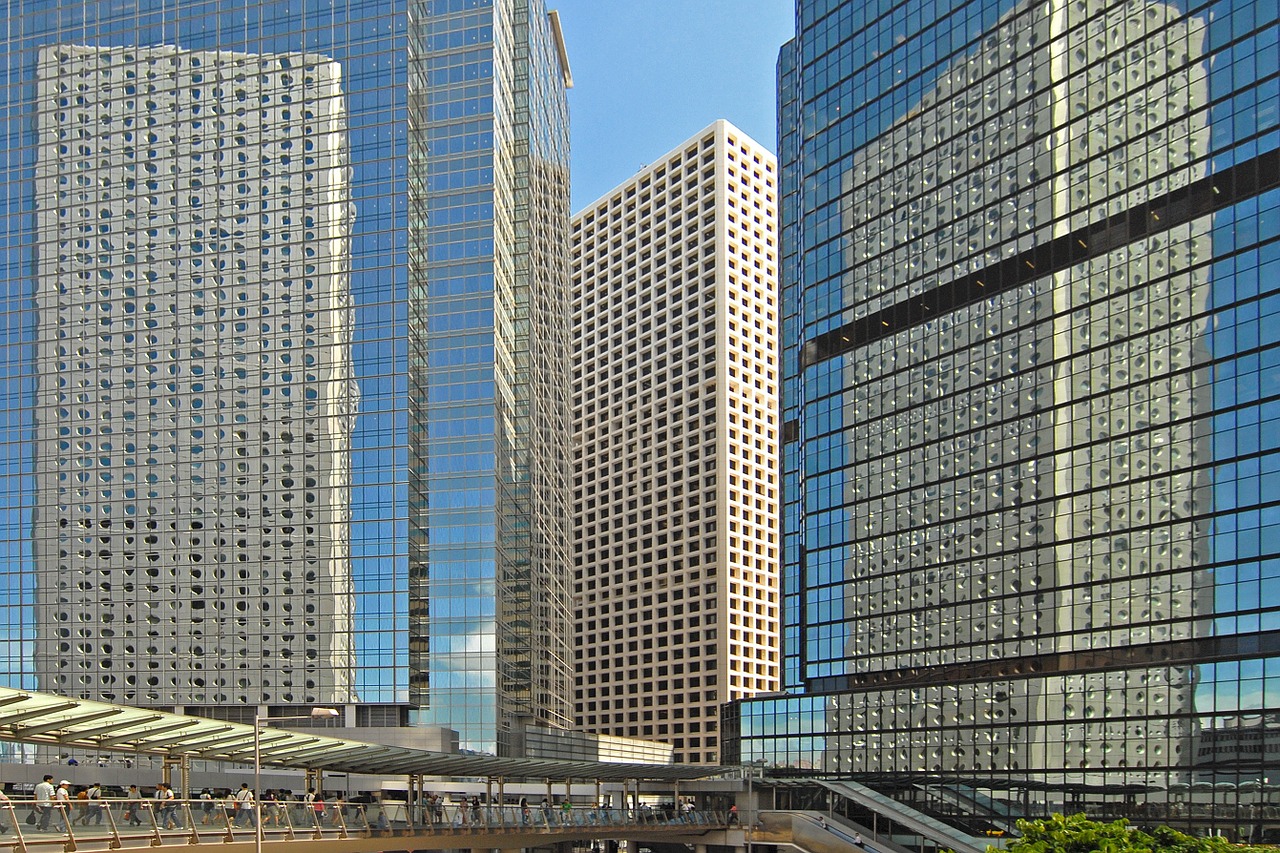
x,y
648,74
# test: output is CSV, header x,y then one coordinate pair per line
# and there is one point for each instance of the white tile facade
x,y
676,444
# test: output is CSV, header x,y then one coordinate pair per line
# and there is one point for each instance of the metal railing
x,y
29,825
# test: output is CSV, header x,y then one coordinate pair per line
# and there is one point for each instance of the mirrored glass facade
x,y
228,345
1031,411
489,325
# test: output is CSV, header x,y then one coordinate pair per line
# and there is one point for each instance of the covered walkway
x,y
91,727
351,828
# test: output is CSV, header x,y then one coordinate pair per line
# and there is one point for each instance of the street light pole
x,y
258,722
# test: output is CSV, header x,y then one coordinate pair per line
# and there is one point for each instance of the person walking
x,y
206,806
94,796
166,808
44,802
6,806
244,807
62,804
82,807
133,805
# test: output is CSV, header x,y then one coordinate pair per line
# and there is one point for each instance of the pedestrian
x,y
475,811
81,797
338,812
546,811
94,796
166,807
132,805
524,810
244,806
206,806
566,812
62,804
822,822
44,802
733,815
857,839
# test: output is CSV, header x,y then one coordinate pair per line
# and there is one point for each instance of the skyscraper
x,y
676,440
488,339
1028,417
195,398
359,213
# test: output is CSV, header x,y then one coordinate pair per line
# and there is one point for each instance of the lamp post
x,y
258,722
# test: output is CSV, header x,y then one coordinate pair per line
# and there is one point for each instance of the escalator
x,y
998,814
815,832
908,820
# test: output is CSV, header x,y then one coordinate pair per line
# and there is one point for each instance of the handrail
x,y
26,824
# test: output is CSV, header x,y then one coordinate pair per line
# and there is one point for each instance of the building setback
x,y
1028,421
675,444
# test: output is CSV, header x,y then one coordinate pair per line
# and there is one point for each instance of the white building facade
x,y
676,444
196,395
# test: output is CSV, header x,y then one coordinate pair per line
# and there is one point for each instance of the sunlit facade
x,y
676,444
194,414
300,261
1030,407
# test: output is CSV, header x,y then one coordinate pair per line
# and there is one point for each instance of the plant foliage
x,y
1078,834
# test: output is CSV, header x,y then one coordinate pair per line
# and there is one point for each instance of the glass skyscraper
x,y
1031,404
284,353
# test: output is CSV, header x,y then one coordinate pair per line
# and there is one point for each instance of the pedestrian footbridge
x,y
340,828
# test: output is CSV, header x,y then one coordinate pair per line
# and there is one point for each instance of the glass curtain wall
x,y
205,365
1031,410
489,315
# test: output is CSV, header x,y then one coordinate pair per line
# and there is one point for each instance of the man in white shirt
x,y
44,801
95,805
244,806
166,808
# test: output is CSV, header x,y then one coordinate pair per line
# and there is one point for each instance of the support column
x,y
408,801
502,800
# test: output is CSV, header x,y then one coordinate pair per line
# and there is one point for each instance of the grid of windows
x,y
1023,272
194,416
675,395
204,279
489,325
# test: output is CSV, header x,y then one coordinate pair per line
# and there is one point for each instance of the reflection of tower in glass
x,y
196,392
1022,463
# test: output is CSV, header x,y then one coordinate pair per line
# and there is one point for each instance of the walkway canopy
x,y
41,718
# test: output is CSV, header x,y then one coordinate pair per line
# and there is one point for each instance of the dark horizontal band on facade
x,y
1199,650
1178,207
